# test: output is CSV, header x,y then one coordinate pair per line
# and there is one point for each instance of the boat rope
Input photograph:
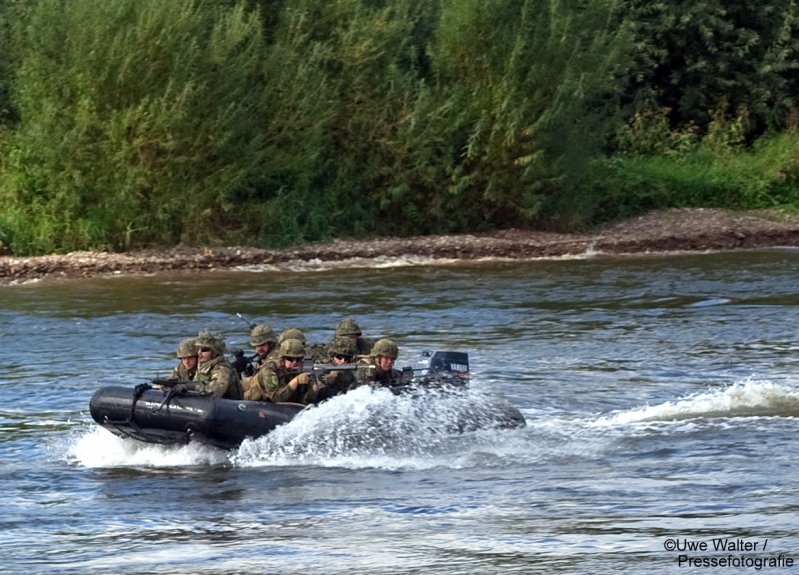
x,y
137,393
138,433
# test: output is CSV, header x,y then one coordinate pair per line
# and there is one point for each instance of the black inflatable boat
x,y
158,416
150,416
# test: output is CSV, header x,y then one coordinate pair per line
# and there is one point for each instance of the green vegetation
x,y
133,123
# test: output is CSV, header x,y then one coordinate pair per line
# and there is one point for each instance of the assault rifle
x,y
170,383
396,385
317,370
317,380
240,362
175,387
243,363
249,323
320,369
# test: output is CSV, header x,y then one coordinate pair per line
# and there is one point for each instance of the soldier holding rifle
x,y
213,375
284,381
187,354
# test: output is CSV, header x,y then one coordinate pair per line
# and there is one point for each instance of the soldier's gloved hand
x,y
301,379
141,388
248,370
180,388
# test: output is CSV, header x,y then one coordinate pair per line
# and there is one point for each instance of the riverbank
x,y
688,230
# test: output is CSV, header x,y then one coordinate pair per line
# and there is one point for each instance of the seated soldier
x,y
314,351
263,339
341,351
284,382
187,353
215,376
349,328
291,333
382,374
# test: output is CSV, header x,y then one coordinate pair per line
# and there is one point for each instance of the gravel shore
x,y
677,230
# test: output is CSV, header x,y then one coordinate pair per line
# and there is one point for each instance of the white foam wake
x,y
379,262
743,399
407,260
100,448
374,428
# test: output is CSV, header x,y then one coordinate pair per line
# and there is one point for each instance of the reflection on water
x,y
659,394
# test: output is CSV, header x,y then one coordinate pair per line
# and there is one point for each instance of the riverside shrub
x,y
712,174
135,123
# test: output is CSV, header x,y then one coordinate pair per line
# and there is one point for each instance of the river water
x,y
660,393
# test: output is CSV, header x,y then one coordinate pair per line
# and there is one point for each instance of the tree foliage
x,y
135,123
129,123
694,57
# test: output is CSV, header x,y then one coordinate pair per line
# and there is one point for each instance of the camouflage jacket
x,y
304,393
273,385
216,377
261,360
376,377
181,373
256,386
335,383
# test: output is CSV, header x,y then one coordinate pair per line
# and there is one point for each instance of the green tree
x,y
527,85
695,57
135,123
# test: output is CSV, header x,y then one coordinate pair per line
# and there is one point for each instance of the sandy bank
x,y
687,230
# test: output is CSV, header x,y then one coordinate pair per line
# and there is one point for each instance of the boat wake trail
x,y
742,399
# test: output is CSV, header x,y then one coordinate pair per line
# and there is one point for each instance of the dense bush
x,y
695,56
136,123
129,123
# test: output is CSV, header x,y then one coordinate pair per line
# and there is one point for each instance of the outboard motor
x,y
454,362
442,368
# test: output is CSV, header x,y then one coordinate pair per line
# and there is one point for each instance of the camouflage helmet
x,y
342,346
348,327
291,333
214,341
262,334
187,348
385,348
292,348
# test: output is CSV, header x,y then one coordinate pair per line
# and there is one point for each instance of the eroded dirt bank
x,y
673,230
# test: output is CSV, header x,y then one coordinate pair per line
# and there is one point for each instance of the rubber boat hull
x,y
220,422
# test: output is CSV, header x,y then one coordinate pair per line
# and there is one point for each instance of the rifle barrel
x,y
247,321
164,382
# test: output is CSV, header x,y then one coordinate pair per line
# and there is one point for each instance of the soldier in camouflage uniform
x,y
264,340
382,374
341,351
215,376
349,328
314,351
291,333
285,382
318,352
187,353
